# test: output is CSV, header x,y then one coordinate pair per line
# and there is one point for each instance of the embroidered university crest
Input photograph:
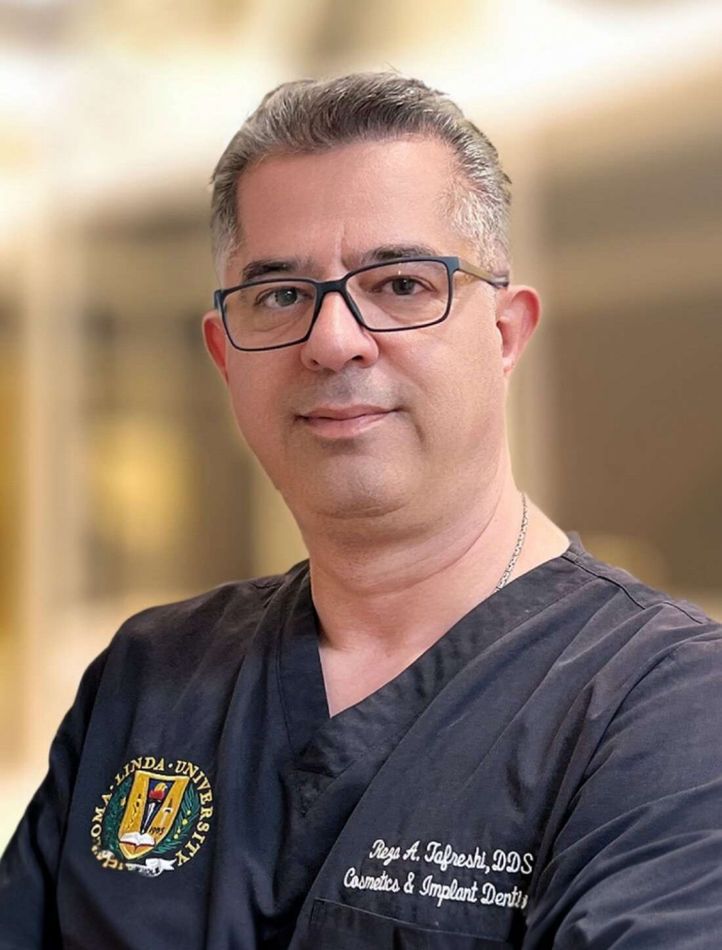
x,y
154,817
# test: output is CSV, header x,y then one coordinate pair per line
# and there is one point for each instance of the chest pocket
x,y
339,927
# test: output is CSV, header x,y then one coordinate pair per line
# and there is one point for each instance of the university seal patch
x,y
154,817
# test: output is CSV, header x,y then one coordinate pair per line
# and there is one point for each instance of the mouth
x,y
334,422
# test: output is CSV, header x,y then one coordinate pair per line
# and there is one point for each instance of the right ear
x,y
216,340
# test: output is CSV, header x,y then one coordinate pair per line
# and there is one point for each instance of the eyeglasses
x,y
402,294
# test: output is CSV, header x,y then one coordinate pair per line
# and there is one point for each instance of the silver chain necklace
x,y
504,579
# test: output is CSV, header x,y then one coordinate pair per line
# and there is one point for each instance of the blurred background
x,y
122,480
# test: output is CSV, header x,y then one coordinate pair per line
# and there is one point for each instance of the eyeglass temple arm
x,y
496,280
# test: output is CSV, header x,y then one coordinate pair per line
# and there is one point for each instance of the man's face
x,y
351,424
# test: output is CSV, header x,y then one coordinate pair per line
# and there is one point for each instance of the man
x,y
451,728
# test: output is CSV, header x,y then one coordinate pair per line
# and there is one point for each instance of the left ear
x,y
518,310
216,343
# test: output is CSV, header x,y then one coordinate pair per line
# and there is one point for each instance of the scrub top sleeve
x,y
28,869
637,862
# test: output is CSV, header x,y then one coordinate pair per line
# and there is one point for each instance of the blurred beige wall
x,y
123,482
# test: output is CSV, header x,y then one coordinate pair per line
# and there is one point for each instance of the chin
x,y
348,502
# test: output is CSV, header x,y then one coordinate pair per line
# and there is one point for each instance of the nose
x,y
337,338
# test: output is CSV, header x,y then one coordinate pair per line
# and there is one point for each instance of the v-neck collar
x,y
328,745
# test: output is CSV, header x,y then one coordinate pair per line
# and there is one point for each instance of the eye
x,y
404,286
280,298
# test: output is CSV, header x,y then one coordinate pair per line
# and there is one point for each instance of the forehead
x,y
335,205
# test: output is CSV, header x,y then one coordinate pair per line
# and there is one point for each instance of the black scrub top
x,y
547,774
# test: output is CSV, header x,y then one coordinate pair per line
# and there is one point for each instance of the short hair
x,y
310,116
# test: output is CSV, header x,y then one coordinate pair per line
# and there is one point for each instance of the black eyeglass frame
x,y
323,287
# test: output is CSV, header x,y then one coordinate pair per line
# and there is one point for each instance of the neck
x,y
399,595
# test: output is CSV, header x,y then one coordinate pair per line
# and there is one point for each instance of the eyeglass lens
x,y
388,297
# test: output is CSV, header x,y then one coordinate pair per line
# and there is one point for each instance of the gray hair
x,y
309,116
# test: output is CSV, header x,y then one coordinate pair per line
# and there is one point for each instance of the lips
x,y
339,422
344,412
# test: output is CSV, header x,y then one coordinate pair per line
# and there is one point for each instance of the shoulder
x,y
217,625
640,596
613,602
609,633
167,660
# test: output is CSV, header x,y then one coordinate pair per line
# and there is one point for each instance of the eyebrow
x,y
263,266
389,252
385,252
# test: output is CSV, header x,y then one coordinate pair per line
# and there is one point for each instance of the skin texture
x,y
408,509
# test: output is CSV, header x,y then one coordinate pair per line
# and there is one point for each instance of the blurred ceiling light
x,y
118,116
566,51
32,85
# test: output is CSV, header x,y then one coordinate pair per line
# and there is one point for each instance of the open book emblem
x,y
151,809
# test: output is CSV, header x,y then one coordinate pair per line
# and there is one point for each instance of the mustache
x,y
345,390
